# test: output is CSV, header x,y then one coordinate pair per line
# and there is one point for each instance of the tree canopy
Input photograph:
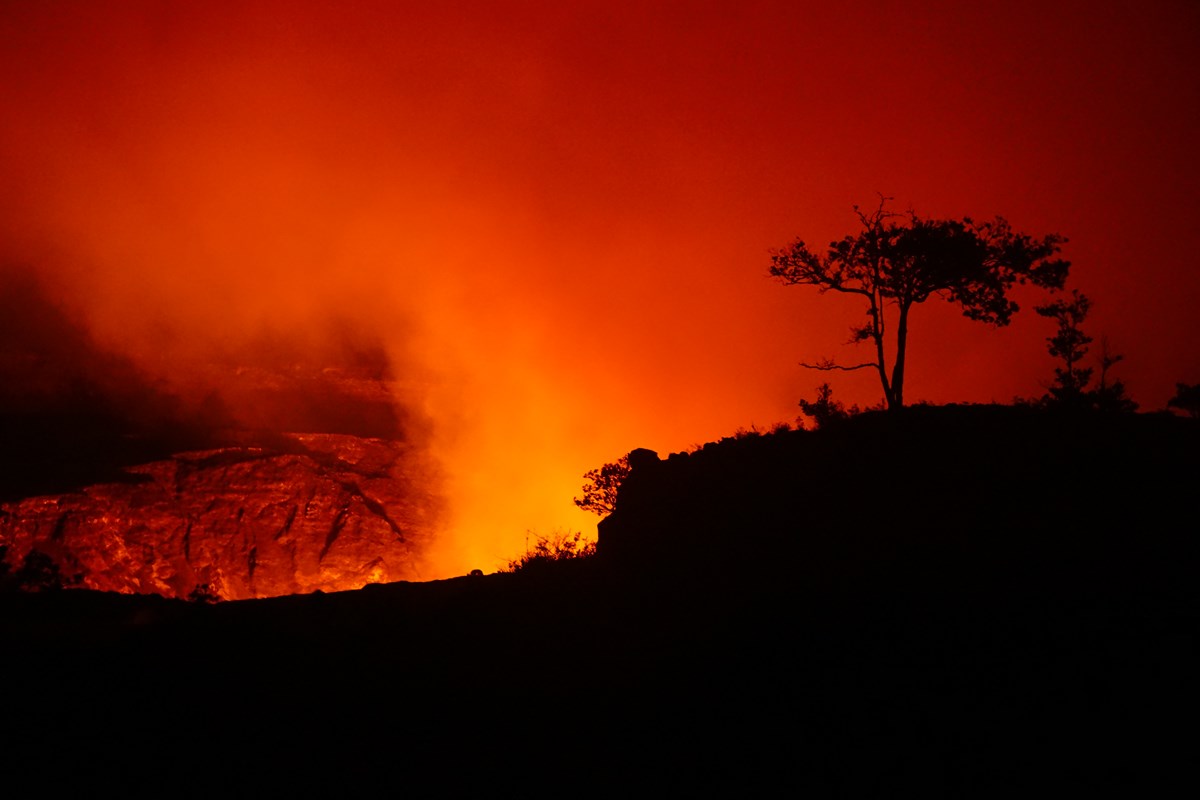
x,y
600,491
899,260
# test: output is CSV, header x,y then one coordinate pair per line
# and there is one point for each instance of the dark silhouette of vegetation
x,y
754,432
1186,399
897,261
204,593
600,491
38,572
1111,395
825,411
551,549
1070,344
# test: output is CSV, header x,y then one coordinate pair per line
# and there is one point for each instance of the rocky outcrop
x,y
309,512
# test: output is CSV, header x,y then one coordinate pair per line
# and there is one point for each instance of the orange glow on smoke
x,y
556,217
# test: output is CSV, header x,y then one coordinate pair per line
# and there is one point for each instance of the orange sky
x,y
557,216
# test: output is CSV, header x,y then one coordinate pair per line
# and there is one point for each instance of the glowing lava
x,y
320,511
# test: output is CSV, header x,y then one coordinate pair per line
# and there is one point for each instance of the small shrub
x,y
825,411
204,593
548,549
40,573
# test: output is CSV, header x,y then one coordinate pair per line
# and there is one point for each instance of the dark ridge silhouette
x,y
938,496
960,601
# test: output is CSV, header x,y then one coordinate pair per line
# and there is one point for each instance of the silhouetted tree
x,y
1110,395
897,261
1069,343
600,492
1186,399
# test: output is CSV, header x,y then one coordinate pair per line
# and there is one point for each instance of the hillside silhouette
x,y
960,599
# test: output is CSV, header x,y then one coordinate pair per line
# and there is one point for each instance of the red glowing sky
x,y
558,215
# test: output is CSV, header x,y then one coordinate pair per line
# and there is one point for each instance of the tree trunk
x,y
880,353
896,400
888,394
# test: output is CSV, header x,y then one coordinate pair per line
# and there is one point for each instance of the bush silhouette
x,y
1186,399
825,411
38,573
556,547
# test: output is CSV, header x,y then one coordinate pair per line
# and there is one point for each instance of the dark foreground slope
x,y
961,601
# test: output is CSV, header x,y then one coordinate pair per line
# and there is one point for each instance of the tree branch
x,y
827,365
